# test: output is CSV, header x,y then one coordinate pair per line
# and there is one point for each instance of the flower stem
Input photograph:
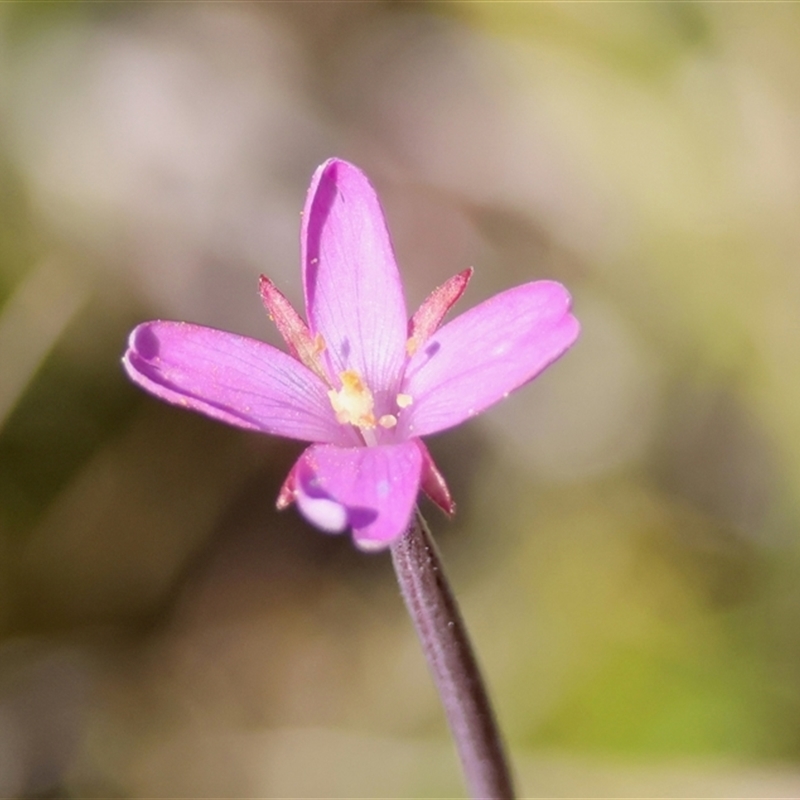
x,y
451,659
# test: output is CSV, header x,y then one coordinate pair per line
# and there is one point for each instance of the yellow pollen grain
x,y
404,400
412,346
387,421
353,403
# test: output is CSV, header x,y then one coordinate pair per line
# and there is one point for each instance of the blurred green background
x,y
626,548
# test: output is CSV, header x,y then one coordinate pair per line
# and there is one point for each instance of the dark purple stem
x,y
452,662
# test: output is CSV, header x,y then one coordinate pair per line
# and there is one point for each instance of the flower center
x,y
353,403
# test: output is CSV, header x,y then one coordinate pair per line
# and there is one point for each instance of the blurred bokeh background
x,y
627,546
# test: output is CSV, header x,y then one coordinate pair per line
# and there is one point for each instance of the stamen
x,y
353,403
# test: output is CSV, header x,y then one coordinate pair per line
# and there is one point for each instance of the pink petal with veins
x,y
354,296
371,490
477,359
234,379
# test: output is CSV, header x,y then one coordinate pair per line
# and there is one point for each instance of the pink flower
x,y
361,381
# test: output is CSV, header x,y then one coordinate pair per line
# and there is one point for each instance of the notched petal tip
x,y
143,352
338,169
144,342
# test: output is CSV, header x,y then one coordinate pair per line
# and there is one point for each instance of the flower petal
x,y
240,381
487,352
353,293
369,489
